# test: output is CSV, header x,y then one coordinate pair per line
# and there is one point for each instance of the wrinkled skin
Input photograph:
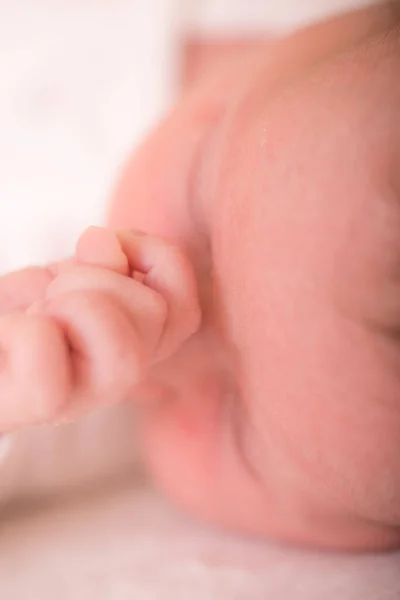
x,y
260,342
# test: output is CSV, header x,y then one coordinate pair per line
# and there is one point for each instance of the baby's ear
x,y
158,177
153,191
153,185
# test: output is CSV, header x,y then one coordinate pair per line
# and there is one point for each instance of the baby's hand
x,y
83,333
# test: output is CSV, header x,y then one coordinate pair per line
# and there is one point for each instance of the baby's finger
x,y
34,371
167,271
105,351
146,309
99,246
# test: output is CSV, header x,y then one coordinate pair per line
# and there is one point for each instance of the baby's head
x,y
300,205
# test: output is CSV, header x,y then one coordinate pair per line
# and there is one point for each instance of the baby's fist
x,y
83,333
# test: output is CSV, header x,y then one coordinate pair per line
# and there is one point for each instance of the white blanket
x,y
131,547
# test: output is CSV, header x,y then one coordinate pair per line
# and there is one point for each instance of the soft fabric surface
x,y
129,545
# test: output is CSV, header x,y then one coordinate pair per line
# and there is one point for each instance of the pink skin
x,y
278,413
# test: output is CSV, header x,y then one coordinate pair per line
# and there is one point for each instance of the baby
x,y
245,296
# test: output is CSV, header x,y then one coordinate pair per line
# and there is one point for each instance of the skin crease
x,y
275,179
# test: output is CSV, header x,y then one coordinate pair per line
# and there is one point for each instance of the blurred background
x,y
81,81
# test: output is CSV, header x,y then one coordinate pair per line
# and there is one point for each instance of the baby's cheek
x,y
308,305
326,398
310,302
